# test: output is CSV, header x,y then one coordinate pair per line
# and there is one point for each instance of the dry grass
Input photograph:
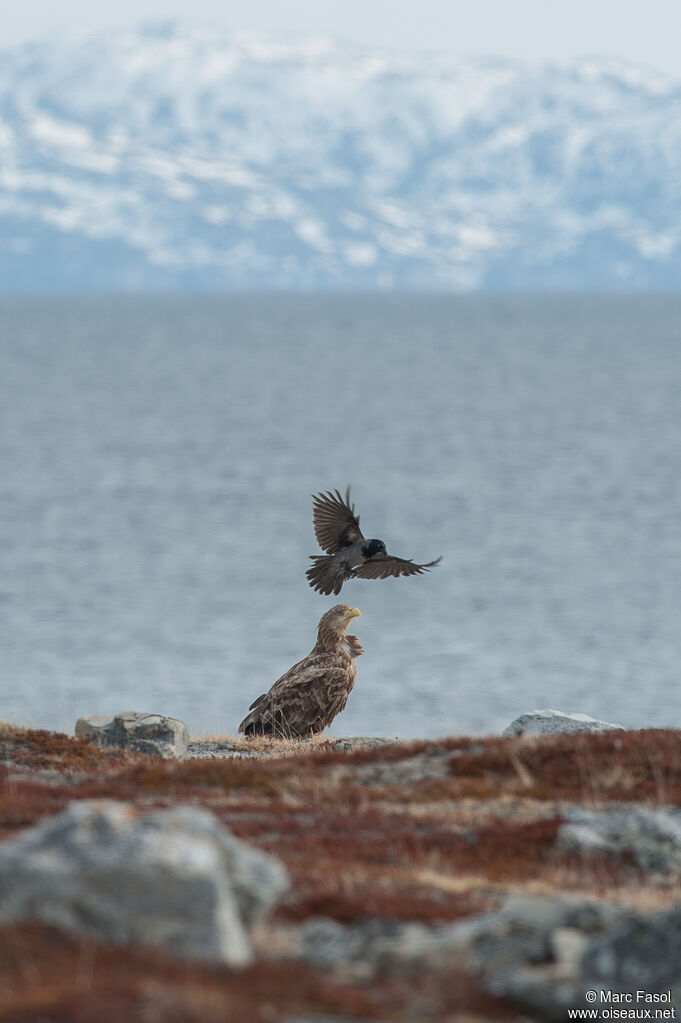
x,y
267,744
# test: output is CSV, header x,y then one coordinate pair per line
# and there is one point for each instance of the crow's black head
x,y
374,547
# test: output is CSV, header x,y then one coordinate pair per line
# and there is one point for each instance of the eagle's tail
x,y
266,720
326,574
256,724
259,721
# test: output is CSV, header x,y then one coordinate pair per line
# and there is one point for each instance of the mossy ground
x,y
429,832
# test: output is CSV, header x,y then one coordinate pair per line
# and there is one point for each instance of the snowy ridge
x,y
182,156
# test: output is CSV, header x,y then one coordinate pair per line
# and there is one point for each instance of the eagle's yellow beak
x,y
354,612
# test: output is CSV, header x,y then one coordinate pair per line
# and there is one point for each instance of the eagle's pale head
x,y
341,615
334,624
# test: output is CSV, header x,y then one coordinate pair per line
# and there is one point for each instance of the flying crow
x,y
348,553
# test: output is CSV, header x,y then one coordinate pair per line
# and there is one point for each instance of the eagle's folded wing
x,y
310,706
304,672
335,524
308,694
383,566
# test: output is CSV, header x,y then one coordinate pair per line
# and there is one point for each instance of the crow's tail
x,y
326,574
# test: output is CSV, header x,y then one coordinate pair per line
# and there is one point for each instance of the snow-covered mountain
x,y
179,156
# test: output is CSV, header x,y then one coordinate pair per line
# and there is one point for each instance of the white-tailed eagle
x,y
307,698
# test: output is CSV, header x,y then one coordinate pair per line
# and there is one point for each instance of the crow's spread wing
x,y
383,566
335,524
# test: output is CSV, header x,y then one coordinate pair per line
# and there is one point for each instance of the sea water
x,y
157,460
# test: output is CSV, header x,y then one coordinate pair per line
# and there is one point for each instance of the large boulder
x,y
552,956
556,722
546,955
174,878
154,734
652,837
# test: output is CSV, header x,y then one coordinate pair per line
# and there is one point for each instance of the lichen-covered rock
x,y
541,953
430,765
555,722
545,954
92,726
352,743
651,837
641,952
522,932
154,734
363,947
207,750
173,878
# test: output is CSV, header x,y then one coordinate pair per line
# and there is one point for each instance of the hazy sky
x,y
643,30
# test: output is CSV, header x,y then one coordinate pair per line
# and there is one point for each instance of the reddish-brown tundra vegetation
x,y
366,834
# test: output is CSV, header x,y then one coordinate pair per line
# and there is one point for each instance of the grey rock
x,y
362,742
92,725
541,953
556,722
430,765
154,734
522,932
651,837
205,750
640,953
544,954
173,878
329,945
364,947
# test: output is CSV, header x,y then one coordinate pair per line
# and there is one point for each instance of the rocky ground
x,y
465,879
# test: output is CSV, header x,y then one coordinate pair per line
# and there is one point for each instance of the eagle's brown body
x,y
311,693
